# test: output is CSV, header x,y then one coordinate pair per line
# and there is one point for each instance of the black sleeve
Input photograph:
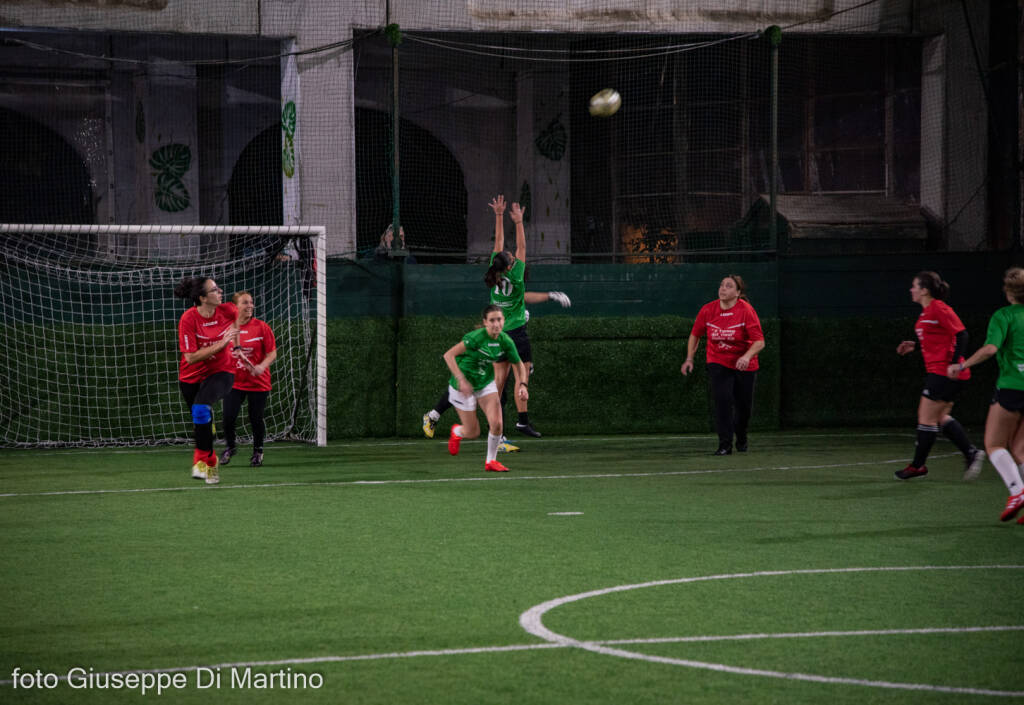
x,y
960,351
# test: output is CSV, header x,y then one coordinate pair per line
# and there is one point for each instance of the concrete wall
x,y
326,85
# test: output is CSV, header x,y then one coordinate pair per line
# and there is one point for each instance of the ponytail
x,y
190,288
499,264
933,283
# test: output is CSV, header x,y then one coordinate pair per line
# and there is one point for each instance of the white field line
x,y
532,621
504,478
421,441
312,660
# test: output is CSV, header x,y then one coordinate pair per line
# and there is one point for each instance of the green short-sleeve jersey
x,y
510,294
482,351
1006,332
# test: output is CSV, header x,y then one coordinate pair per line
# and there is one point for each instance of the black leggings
x,y
733,394
208,392
257,405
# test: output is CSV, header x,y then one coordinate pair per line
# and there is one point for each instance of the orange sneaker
x,y
495,466
454,441
1013,505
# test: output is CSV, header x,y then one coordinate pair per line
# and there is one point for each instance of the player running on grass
x,y
943,340
1003,427
506,279
206,370
471,362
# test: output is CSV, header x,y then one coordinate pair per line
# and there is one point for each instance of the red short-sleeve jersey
x,y
256,340
195,332
730,332
936,330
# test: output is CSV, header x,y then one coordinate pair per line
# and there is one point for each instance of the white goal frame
x,y
106,251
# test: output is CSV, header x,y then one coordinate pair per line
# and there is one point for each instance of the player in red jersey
x,y
734,340
943,340
206,370
256,352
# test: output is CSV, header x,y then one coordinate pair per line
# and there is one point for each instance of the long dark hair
x,y
501,262
933,283
191,288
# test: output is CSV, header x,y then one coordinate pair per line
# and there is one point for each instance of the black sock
x,y
524,418
204,435
925,439
955,432
442,404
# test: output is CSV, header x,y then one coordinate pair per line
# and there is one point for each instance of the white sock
x,y
492,446
1007,469
433,414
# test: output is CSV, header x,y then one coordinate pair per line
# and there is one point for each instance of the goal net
x,y
88,325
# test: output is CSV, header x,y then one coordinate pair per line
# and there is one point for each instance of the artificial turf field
x,y
390,572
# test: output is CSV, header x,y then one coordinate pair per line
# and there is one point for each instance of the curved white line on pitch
x,y
532,621
312,660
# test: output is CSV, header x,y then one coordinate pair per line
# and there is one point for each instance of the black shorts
x,y
1010,399
210,391
522,340
941,388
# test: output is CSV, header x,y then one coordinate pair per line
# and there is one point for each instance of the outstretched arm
x,y
517,217
497,205
980,355
539,297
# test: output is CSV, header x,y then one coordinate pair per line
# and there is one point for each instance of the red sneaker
x,y
495,466
454,441
910,472
1013,505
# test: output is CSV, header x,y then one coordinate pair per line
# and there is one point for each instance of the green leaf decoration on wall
x,y
171,194
288,157
172,159
525,201
170,162
552,139
288,118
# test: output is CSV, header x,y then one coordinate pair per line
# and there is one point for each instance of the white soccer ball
x,y
605,103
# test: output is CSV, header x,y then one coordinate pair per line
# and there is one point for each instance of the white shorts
x,y
468,403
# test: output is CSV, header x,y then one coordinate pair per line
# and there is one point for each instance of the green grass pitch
x,y
599,570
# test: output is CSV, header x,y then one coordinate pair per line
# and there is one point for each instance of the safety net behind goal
x,y
88,324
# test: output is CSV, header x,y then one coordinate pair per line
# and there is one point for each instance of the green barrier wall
x,y
611,362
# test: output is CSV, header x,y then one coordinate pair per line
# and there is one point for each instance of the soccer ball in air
x,y
605,103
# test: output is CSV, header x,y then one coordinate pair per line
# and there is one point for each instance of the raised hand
x,y
516,212
497,204
561,298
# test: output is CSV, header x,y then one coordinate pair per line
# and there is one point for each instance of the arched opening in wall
x,y
43,180
433,190
254,191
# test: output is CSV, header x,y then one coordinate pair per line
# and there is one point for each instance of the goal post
x,y
88,328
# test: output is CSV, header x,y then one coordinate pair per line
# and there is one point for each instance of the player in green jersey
x,y
506,280
1004,432
471,362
